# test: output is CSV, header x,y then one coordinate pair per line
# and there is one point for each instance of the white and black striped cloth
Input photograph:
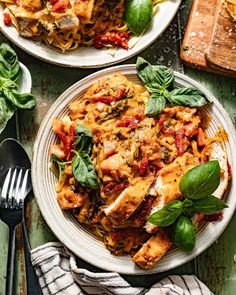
x,y
59,275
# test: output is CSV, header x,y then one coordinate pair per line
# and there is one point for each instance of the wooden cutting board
x,y
209,41
221,53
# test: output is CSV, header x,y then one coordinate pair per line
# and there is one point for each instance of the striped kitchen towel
x,y
59,275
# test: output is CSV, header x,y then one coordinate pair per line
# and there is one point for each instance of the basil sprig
x,y
10,98
159,81
197,187
82,166
138,15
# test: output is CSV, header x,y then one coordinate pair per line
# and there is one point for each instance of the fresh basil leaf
x,y
184,235
156,78
6,83
138,15
188,96
155,105
201,181
21,101
167,215
10,98
84,139
209,205
9,64
84,171
61,165
6,112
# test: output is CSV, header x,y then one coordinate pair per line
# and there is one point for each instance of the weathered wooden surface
x,y
215,266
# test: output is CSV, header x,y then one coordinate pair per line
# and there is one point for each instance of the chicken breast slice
x,y
128,201
215,151
152,250
83,8
166,187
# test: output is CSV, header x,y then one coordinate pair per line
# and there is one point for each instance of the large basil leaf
x,y
84,139
209,205
6,112
188,96
20,101
9,65
155,105
138,15
201,181
167,215
156,78
84,171
184,235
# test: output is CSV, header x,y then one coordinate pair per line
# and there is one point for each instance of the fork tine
x,y
17,190
11,190
23,187
5,186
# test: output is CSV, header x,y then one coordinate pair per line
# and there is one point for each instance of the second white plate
x,y
91,57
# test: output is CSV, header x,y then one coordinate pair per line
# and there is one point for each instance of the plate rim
x,y
51,60
106,72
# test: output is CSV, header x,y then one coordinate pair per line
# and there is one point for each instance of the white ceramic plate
x,y
90,57
70,232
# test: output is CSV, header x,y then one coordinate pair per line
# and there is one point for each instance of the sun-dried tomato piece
x,y
143,166
7,19
179,140
214,217
114,38
130,123
140,219
164,130
59,5
113,187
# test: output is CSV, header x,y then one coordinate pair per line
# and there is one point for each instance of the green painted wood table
x,y
216,267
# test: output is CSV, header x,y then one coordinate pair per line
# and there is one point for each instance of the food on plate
x,y
135,164
231,7
10,98
68,24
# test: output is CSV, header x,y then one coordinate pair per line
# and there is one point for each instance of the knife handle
x,y
11,260
32,283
